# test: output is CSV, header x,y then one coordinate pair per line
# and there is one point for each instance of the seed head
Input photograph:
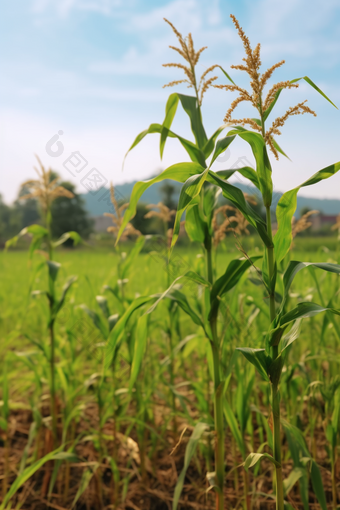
x,y
255,96
44,189
187,51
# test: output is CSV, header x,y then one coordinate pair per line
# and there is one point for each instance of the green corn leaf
x,y
263,166
84,482
196,435
179,172
194,225
277,95
286,208
38,233
293,477
209,146
68,235
180,298
295,266
103,305
317,484
221,146
253,459
31,470
315,87
232,423
112,320
236,196
226,75
191,107
304,310
259,358
170,112
126,265
190,190
139,349
278,148
228,280
96,319
194,152
66,288
291,336
116,335
53,268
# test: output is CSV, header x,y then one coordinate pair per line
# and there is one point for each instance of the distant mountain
x,y
99,203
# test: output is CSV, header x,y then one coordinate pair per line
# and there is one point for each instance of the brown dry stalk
x,y
255,96
187,51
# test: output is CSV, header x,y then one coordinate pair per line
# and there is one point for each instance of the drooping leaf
x,y
277,95
259,358
68,235
304,310
253,459
228,280
295,266
179,172
286,208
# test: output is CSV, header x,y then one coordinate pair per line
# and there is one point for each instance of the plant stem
x,y
52,390
218,396
274,390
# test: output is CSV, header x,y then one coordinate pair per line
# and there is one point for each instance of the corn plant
x,y
46,189
197,198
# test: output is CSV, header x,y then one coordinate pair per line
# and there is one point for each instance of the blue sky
x,y
93,69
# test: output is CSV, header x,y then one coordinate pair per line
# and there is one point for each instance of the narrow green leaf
x,y
139,349
263,166
232,423
259,358
53,268
228,280
179,172
190,189
226,75
196,435
253,459
68,235
286,208
236,196
221,146
84,482
115,337
315,87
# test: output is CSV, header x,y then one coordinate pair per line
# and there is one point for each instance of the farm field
x,y
134,460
